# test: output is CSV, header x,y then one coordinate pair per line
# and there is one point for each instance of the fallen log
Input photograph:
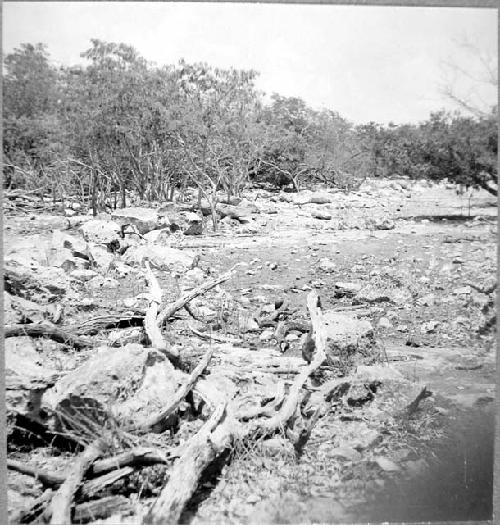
x,y
47,478
94,486
49,330
151,325
106,322
60,506
101,509
184,476
181,393
33,511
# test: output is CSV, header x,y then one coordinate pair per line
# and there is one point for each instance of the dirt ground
x,y
361,463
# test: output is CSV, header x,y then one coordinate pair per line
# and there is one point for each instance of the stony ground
x,y
361,463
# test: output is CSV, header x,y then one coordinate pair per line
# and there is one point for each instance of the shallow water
x,y
456,486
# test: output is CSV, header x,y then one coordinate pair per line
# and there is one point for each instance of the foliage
x,y
118,123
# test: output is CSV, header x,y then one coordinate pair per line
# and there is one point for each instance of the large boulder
x,y
35,282
131,383
76,245
102,260
144,219
161,257
19,310
345,331
26,379
101,231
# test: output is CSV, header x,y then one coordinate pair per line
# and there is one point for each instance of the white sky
x,y
367,63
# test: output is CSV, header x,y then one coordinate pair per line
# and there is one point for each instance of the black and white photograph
x,y
250,262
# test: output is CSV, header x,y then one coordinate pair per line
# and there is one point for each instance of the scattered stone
x,y
267,335
321,198
344,289
276,447
463,290
384,224
345,330
384,323
161,236
386,464
161,257
429,327
83,275
371,295
327,265
101,258
144,219
101,232
322,215
348,453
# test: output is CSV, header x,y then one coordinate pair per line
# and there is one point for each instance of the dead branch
x,y
60,506
106,322
151,325
35,509
136,456
184,476
101,509
181,393
93,486
413,406
288,408
47,478
49,330
171,308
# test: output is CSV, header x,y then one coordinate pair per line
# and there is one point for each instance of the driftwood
x,y
135,456
222,429
184,476
93,486
35,509
106,322
413,406
49,330
181,393
101,509
60,506
47,478
151,325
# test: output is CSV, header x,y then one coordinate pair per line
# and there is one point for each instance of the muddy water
x,y
457,485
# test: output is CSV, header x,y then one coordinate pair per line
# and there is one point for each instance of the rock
x,y
144,219
158,236
101,232
161,257
122,269
321,198
463,290
371,295
343,330
348,453
26,379
276,447
248,324
386,464
100,257
384,323
382,373
326,265
83,275
266,335
39,282
195,226
192,278
429,327
345,289
322,215
125,336
131,382
103,282
384,224
240,213
76,245
74,263
19,310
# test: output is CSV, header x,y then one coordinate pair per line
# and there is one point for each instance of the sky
x,y
368,63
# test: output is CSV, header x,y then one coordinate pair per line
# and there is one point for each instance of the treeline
x,y
121,124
